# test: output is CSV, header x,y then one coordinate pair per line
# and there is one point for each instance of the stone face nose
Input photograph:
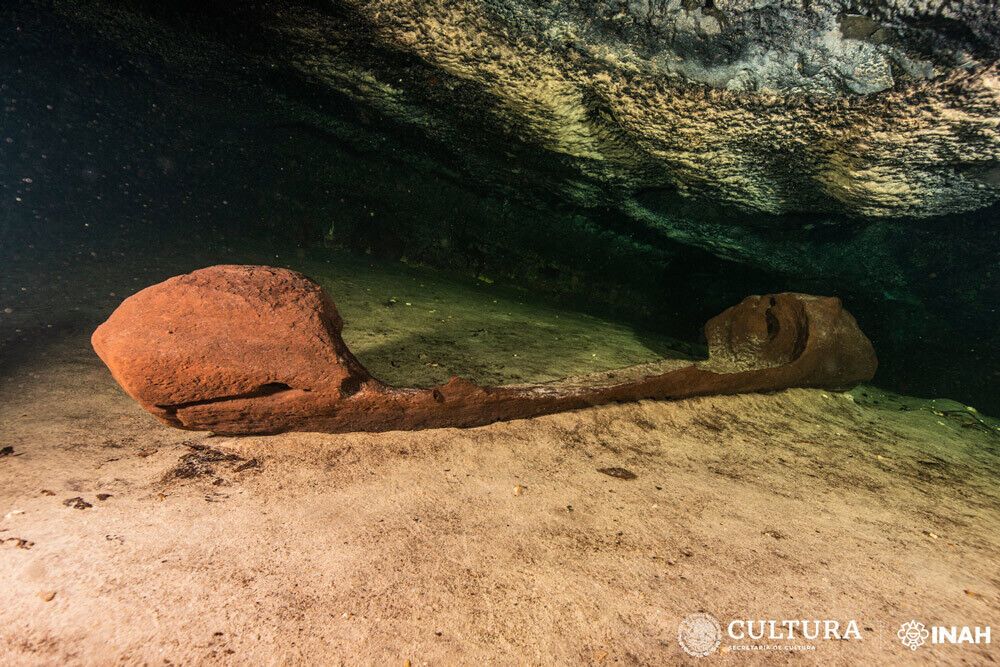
x,y
256,349
760,332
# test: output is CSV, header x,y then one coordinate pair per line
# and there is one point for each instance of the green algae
x,y
414,327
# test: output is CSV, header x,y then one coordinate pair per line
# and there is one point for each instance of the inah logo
x,y
964,634
699,635
913,634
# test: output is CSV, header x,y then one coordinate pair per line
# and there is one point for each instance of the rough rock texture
x,y
225,335
887,109
252,349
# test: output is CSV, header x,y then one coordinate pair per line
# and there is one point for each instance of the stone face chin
x,y
255,349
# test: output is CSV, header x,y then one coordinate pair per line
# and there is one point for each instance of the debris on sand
x,y
203,460
252,463
103,496
6,451
77,503
620,473
19,542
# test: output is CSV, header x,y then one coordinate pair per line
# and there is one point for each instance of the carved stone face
x,y
813,335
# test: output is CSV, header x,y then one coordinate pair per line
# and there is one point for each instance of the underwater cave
x,y
417,294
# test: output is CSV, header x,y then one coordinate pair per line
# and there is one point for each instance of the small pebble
x,y
47,596
620,473
77,503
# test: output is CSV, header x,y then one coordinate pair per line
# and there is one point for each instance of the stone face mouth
x,y
255,350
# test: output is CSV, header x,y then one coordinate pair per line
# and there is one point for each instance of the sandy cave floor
x,y
499,545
